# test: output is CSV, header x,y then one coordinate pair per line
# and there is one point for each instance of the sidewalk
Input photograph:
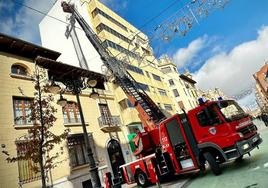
x,y
180,181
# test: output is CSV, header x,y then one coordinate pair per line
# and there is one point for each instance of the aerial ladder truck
x,y
215,131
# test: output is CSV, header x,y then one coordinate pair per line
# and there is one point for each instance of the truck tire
x,y
141,178
202,169
214,166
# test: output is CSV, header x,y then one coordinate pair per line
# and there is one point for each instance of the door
x,y
181,148
115,155
211,126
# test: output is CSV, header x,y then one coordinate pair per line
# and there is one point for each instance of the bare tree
x,y
40,140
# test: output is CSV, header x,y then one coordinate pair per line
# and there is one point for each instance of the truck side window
x,y
208,117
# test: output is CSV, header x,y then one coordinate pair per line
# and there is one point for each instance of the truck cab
x,y
223,130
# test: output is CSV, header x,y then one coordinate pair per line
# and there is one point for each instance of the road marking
x,y
256,168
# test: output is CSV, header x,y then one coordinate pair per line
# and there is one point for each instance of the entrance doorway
x,y
115,155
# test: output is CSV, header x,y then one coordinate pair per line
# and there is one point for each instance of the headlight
x,y
245,146
241,135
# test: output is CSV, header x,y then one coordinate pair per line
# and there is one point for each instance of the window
x,y
71,113
175,92
193,94
168,107
181,105
106,116
171,82
208,117
190,103
143,86
18,69
102,26
189,92
147,74
98,11
185,91
22,111
134,128
156,77
135,69
124,104
147,52
119,48
25,167
162,92
77,149
129,105
166,70
175,69
231,110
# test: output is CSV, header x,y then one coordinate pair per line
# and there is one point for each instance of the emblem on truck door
x,y
212,130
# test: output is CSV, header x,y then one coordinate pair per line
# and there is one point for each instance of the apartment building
x,y
181,86
16,67
123,40
261,85
212,94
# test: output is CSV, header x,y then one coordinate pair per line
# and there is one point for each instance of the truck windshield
x,y
231,110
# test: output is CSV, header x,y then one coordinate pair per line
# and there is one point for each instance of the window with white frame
x,y
162,92
176,93
168,107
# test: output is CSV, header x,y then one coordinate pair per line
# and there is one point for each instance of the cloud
x,y
232,71
183,56
23,22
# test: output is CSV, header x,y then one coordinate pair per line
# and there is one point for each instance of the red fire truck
x,y
215,131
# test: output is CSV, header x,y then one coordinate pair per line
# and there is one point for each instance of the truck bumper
x,y
243,147
246,146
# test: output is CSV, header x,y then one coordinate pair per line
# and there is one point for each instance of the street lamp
x,y
53,87
62,101
75,80
94,94
92,83
76,86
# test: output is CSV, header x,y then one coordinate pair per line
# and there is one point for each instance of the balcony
x,y
109,124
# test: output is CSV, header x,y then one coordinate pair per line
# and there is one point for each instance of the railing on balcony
x,y
109,123
72,120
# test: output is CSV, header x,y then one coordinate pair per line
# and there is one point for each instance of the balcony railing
x,y
71,120
109,124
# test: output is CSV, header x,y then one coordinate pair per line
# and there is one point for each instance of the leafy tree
x,y
40,140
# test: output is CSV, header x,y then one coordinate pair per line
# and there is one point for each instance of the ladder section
x,y
123,78
142,98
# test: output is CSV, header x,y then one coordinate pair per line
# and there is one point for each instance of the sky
x,y
223,50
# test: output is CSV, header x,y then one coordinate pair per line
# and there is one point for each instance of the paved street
x,y
251,173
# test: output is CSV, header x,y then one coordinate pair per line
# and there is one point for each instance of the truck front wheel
x,y
141,179
215,167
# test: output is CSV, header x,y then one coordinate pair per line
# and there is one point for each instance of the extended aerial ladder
x,y
149,113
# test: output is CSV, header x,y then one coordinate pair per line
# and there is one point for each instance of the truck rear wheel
x,y
215,167
141,178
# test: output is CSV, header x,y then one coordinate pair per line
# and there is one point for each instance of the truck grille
x,y
248,129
